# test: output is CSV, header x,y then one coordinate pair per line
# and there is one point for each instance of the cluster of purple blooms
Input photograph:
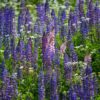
x,y
25,52
8,89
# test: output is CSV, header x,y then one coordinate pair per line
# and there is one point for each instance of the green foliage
x,y
27,86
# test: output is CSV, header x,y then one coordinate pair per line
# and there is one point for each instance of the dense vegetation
x,y
50,50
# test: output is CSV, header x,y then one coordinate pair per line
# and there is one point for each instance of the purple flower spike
x,y
53,92
41,89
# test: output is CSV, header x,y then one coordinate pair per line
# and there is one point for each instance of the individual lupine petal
x,y
53,84
41,88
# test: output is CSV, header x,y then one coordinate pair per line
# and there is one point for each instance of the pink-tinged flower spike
x,y
48,47
63,47
88,58
48,51
51,45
